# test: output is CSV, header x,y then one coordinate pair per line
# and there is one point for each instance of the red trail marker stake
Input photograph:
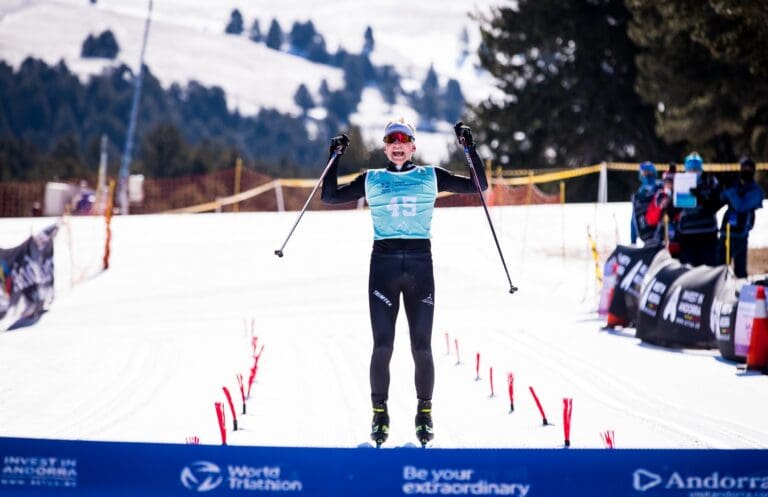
x,y
456,345
193,440
242,389
567,411
511,387
254,370
222,422
477,366
231,407
541,409
490,378
252,377
608,439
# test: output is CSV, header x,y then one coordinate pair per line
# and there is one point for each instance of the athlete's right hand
x,y
339,144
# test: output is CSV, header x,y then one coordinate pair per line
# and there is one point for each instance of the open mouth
x,y
398,154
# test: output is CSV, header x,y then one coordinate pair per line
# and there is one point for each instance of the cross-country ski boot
x,y
424,431
380,423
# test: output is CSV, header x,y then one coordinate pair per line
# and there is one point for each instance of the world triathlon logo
x,y
201,476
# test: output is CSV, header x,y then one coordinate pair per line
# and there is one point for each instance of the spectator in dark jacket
x,y
663,215
649,184
743,199
697,226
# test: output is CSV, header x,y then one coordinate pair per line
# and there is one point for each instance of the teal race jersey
x,y
401,202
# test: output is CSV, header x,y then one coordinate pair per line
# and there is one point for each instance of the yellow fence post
x,y
530,187
238,176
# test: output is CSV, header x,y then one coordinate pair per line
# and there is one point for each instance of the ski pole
x,y
512,288
279,252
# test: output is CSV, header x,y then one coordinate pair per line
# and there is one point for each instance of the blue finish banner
x,y
32,467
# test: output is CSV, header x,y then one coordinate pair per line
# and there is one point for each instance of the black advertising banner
x,y
26,279
664,270
631,265
676,306
723,318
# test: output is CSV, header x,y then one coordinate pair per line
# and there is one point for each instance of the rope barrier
x,y
522,177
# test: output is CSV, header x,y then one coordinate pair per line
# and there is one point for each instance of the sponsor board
x,y
33,467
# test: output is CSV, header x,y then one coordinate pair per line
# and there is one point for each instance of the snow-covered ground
x,y
187,41
141,352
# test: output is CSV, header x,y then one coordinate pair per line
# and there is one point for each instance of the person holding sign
x,y
697,225
742,198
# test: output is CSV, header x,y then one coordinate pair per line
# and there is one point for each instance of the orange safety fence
x,y
242,189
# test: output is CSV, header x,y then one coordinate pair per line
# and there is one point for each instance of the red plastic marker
x,y
609,439
511,387
490,378
222,422
567,411
456,344
541,409
251,378
477,366
193,440
242,389
231,407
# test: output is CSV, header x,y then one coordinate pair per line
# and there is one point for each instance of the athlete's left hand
x,y
464,134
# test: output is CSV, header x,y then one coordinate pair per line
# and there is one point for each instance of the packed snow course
x,y
140,352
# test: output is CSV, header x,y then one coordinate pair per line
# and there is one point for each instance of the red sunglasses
x,y
397,137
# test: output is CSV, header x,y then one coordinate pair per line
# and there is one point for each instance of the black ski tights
x,y
408,272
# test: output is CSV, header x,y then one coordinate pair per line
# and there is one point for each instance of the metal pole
x,y
125,164
473,174
279,252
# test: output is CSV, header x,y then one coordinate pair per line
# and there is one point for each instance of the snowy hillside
x,y
187,41
141,352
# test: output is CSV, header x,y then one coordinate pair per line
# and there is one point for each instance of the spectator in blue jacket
x,y
649,185
743,199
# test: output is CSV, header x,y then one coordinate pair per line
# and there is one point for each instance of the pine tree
x,y
235,24
704,67
104,45
568,72
255,32
303,98
453,101
274,38
368,42
430,107
301,36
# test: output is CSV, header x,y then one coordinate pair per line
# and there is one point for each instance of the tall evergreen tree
x,y
105,46
301,36
255,32
235,24
453,101
430,101
164,153
303,98
704,67
368,42
567,69
274,38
